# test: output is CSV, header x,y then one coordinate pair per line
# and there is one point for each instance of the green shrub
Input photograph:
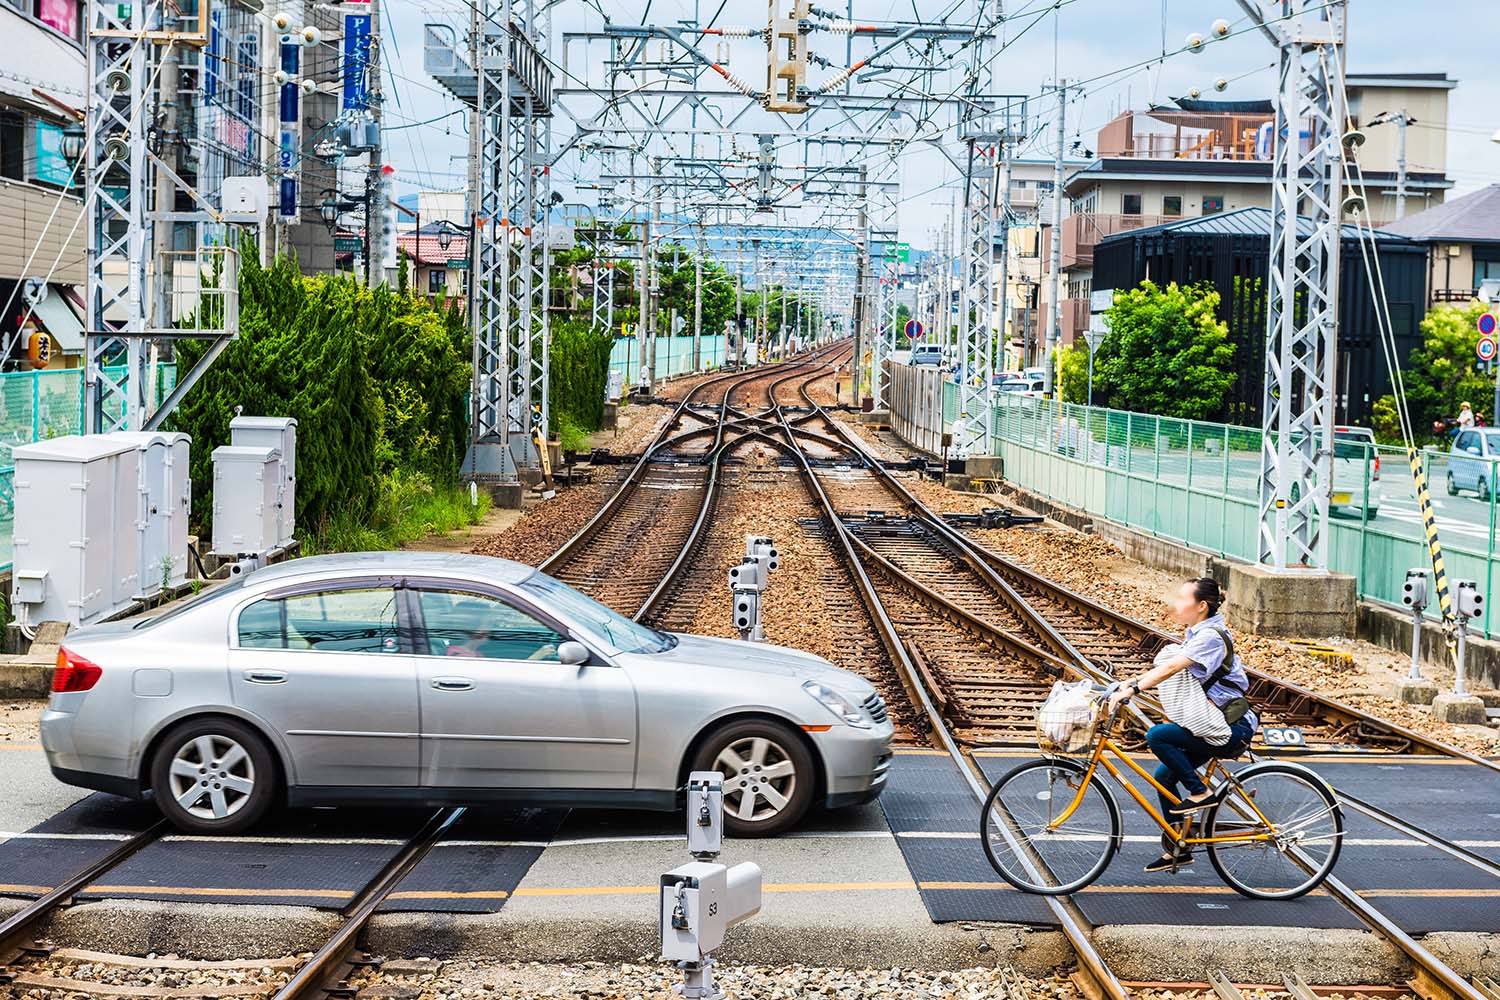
x,y
578,373
408,506
374,379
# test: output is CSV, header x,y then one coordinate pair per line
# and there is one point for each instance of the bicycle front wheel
x,y
1028,846
1301,818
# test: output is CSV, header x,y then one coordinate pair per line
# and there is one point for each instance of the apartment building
x,y
1199,157
1462,238
42,84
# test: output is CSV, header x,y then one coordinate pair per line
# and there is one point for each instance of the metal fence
x,y
674,356
1197,483
38,405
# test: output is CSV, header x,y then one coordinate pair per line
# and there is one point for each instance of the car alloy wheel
x,y
760,778
770,775
1452,486
212,777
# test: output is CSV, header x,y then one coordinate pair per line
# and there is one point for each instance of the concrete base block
x,y
1458,709
875,418
505,495
1414,692
1291,603
985,467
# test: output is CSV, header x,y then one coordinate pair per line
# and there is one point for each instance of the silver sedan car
x,y
423,678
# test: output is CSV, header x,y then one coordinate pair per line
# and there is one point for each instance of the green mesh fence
x,y
1198,483
674,356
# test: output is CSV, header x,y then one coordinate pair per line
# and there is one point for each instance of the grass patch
x,y
572,435
408,506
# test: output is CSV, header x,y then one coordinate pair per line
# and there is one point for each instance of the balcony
x,y
1075,320
1081,233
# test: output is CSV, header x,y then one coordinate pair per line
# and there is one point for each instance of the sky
x,y
1113,45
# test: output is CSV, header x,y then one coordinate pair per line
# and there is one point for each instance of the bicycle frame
x,y
1266,832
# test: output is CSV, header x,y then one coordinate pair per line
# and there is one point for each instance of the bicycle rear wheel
x,y
1308,831
1016,827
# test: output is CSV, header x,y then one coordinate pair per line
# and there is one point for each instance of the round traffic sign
x,y
1487,323
914,329
1485,349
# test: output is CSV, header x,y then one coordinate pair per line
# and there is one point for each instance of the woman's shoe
x,y
1187,807
1169,862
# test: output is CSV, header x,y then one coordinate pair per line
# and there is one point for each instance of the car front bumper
x,y
856,763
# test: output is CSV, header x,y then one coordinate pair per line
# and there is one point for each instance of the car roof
x,y
399,563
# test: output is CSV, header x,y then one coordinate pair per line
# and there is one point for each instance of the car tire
x,y
732,750
1452,486
1482,487
237,779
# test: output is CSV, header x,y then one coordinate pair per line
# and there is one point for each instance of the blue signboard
x,y
290,56
51,166
286,202
356,61
213,58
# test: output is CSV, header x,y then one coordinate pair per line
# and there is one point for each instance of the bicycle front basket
x,y
1067,720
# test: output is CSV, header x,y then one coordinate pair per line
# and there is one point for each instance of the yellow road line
x,y
20,746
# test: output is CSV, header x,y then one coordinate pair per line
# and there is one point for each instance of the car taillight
x,y
74,673
1376,473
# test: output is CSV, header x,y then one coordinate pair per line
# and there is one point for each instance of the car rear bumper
x,y
74,767
128,787
857,763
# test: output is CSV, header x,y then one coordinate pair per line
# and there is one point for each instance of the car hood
x,y
762,658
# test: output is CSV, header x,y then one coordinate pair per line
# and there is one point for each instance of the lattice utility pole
x,y
130,303
508,85
1302,317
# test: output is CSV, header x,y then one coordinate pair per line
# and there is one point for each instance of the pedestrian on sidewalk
x,y
1197,731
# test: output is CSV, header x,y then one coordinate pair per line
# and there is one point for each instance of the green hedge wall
x,y
578,372
376,380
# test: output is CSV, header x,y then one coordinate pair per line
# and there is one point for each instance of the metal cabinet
x,y
279,433
247,500
166,496
79,514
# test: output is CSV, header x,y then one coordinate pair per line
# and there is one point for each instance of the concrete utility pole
x,y
1400,120
375,192
1054,327
698,304
1003,278
861,289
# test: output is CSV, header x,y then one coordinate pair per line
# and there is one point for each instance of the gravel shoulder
x,y
19,720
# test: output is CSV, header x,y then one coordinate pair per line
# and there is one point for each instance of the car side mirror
x,y
574,654
1472,450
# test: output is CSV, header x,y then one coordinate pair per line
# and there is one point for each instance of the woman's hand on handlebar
x,y
1119,696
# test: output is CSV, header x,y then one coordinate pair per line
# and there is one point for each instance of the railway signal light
x,y
698,902
1470,600
1414,590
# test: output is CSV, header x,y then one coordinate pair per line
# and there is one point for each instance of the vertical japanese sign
x,y
290,131
356,61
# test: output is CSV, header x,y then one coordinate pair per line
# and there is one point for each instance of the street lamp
x,y
71,145
445,235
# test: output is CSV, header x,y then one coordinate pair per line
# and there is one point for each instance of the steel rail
x,y
695,536
1436,976
329,965
1069,918
17,931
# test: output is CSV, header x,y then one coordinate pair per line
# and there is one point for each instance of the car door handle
x,y
453,683
265,676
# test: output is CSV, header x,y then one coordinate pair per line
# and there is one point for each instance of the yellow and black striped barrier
x,y
1429,525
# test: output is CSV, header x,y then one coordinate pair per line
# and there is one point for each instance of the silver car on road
x,y
425,678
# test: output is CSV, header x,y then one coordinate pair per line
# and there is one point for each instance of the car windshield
x,y
604,626
194,603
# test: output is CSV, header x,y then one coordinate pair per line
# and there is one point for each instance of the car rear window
x,y
1353,444
204,599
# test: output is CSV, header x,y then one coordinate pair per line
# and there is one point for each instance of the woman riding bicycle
x,y
1207,653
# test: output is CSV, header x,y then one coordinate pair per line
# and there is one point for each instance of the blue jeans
x,y
1181,754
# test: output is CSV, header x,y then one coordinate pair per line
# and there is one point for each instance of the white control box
x,y
166,496
247,504
279,433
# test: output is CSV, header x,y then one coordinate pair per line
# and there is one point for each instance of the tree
x,y
1073,374
1165,353
1440,374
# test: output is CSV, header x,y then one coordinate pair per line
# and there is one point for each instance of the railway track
x,y
977,654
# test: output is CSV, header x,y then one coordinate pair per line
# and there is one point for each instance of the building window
x,y
437,280
1486,264
1130,204
12,144
1213,204
1171,205
62,15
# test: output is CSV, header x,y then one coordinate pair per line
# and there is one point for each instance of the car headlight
x,y
848,712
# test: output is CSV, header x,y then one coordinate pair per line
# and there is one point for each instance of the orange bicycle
x,y
1051,826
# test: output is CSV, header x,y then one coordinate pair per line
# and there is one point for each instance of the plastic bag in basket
x,y
1065,721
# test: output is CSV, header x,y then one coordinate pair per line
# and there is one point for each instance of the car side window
x,y
476,626
346,621
1467,440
